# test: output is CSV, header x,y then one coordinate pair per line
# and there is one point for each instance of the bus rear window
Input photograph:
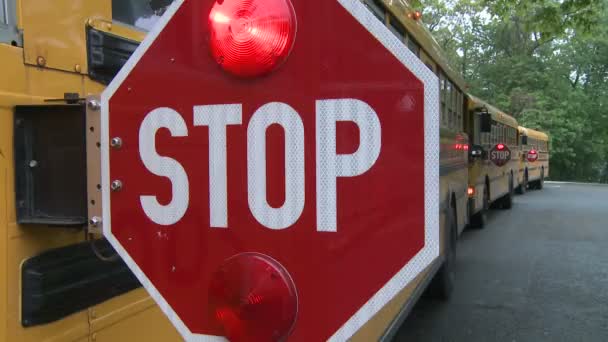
x,y
142,14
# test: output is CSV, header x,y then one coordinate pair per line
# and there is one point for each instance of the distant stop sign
x,y
500,154
279,169
532,156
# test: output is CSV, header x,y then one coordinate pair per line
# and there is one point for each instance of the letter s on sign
x,y
164,166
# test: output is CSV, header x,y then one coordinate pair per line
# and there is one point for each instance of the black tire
x,y
541,183
442,285
506,202
523,187
479,219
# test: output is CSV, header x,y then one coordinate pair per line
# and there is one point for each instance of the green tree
x,y
543,61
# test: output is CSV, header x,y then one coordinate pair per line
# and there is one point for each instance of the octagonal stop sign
x,y
279,168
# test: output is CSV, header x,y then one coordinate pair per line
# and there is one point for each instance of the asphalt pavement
x,y
538,272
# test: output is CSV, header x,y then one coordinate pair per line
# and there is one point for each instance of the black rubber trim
x,y
50,164
392,329
66,280
106,54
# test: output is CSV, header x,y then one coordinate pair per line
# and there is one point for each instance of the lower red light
x,y
251,37
253,299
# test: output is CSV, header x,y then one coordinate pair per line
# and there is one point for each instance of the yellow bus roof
x,y
423,37
532,133
497,114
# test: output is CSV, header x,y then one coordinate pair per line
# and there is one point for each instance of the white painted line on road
x,y
575,183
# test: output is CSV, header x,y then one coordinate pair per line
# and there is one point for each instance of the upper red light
x,y
251,37
253,298
500,147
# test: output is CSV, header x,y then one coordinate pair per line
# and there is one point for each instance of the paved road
x,y
538,272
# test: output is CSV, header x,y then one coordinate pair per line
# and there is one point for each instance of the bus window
x,y
459,110
3,12
444,109
142,14
377,8
9,33
396,27
413,46
448,102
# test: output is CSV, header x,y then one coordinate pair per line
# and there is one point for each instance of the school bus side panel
x,y
55,31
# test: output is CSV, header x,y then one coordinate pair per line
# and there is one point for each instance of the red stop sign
x,y
532,156
320,173
500,154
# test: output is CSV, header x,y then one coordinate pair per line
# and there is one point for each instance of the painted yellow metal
x,y
148,325
117,29
130,311
55,31
376,327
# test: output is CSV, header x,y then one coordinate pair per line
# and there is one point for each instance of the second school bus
x,y
490,184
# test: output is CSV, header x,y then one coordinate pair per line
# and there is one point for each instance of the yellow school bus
x,y
534,160
406,25
60,281
491,181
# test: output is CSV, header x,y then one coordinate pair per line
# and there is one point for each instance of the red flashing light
x,y
500,147
470,191
417,15
253,298
251,37
532,152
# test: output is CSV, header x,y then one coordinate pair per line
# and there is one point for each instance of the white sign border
x,y
403,277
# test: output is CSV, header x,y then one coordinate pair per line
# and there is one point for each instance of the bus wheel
x,y
507,201
541,182
442,285
521,189
479,219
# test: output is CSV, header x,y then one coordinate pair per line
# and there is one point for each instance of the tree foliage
x,y
543,61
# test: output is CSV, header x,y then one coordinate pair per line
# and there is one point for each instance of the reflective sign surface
x,y
326,165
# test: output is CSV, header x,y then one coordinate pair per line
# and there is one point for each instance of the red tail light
x,y
251,37
253,298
